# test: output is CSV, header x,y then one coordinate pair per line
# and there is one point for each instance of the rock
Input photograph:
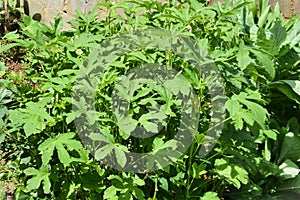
x,y
46,10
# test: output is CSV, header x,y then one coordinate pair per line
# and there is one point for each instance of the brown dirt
x,y
8,187
15,66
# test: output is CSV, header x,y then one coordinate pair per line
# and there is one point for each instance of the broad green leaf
x,y
291,88
125,194
104,151
265,60
293,125
244,115
267,168
253,113
138,193
258,113
46,149
38,176
138,181
232,105
121,156
273,42
126,125
243,57
164,183
272,134
143,92
157,143
150,126
178,84
111,193
290,169
210,196
70,117
73,144
198,170
232,173
63,154
61,143
138,56
290,148
86,40
34,117
293,37
292,185
263,17
294,84
117,180
278,35
8,47
99,137
150,120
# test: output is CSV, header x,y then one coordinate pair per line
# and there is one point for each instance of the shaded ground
x,y
6,187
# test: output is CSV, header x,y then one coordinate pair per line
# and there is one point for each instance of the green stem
x,y
189,182
156,188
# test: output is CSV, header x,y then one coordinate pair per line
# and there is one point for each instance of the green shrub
x,y
257,53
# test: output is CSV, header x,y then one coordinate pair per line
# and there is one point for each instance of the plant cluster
x,y
257,53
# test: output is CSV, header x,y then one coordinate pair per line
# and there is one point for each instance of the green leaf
x,y
70,117
290,169
272,134
293,37
267,63
46,149
294,84
111,193
121,156
104,151
126,125
291,88
279,35
232,173
61,143
141,93
86,40
38,176
210,196
164,184
34,117
253,113
138,193
263,17
258,113
178,84
137,56
243,57
293,125
198,170
290,148
153,116
8,46
100,137
157,143
267,168
63,154
292,185
267,152
232,105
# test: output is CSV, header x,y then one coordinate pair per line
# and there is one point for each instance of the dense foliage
x,y
256,51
